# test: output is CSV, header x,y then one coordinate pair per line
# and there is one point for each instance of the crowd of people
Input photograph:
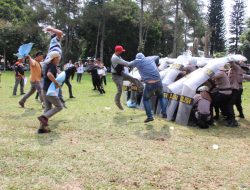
x,y
221,92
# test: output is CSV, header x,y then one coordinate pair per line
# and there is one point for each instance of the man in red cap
x,y
118,76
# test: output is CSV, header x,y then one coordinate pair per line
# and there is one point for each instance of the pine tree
x,y
236,25
216,24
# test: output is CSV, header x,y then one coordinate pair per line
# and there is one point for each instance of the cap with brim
x,y
226,67
51,56
119,48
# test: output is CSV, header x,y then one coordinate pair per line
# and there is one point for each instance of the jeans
x,y
79,77
149,91
33,87
67,82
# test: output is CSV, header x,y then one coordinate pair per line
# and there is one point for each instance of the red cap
x,y
119,48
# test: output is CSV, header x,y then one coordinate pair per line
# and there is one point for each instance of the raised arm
x,y
58,33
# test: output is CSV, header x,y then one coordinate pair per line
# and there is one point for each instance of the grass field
x,y
94,147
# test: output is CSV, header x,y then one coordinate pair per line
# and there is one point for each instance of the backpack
x,y
119,69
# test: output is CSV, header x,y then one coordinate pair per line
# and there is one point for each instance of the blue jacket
x,y
146,67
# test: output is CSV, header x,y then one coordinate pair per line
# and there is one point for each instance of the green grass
x,y
91,147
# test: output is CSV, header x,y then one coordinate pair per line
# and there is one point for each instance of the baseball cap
x,y
50,56
119,48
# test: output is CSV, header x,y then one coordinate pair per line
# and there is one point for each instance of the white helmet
x,y
203,88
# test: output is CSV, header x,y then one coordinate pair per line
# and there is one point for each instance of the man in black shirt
x,y
19,75
96,79
50,75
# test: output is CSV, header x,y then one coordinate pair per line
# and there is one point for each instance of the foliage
x,y
236,25
245,40
216,24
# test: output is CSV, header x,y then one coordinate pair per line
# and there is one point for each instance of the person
x,y
54,46
101,71
221,97
69,64
201,107
35,78
96,79
80,71
19,75
55,42
235,75
118,76
67,81
49,77
153,85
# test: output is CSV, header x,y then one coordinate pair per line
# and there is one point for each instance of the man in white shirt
x,y
68,65
80,71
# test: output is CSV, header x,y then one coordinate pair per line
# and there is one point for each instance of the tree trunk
x,y
174,53
4,58
206,46
195,47
186,30
140,47
102,40
97,39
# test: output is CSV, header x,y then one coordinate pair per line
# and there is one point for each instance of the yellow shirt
x,y
35,72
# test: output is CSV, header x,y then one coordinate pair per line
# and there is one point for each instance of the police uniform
x,y
201,107
222,98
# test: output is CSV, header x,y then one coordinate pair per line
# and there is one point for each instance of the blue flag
x,y
25,49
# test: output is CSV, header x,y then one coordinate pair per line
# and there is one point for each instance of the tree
x,y
188,9
245,40
236,25
216,24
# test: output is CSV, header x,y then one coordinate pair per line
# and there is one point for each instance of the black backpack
x,y
119,69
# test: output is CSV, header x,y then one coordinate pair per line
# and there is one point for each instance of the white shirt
x,y
80,69
68,65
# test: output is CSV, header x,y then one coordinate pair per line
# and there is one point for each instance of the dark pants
x,y
18,80
93,82
149,91
67,82
225,104
72,76
98,84
238,101
79,77
104,80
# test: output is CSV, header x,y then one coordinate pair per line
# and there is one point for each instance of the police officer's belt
x,y
224,89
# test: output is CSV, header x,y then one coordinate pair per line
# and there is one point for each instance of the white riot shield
x,y
165,63
190,86
175,90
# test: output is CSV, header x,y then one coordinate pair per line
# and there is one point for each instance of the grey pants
x,y
118,80
18,80
48,102
33,87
